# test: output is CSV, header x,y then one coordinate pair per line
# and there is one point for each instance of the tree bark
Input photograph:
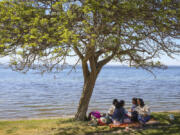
x,y
85,97
89,83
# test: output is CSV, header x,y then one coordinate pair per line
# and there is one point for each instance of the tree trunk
x,y
85,97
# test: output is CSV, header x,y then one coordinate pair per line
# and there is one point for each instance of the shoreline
x,y
38,118
70,116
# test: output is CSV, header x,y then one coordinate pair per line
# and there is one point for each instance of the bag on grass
x,y
94,115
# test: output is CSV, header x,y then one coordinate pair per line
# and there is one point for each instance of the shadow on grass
x,y
166,127
85,131
82,128
160,130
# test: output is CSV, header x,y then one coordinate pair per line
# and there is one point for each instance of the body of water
x,y
35,95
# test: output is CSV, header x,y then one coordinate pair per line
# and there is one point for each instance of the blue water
x,y
57,94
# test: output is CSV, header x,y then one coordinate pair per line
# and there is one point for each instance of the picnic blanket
x,y
123,125
136,124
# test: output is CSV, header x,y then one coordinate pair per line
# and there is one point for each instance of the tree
x,y
46,32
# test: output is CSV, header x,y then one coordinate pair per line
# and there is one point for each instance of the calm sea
x,y
35,95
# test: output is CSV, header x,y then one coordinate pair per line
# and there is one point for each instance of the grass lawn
x,y
68,126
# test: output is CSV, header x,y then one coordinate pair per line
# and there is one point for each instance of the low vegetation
x,y
68,126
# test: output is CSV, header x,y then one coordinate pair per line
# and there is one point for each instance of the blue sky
x,y
164,59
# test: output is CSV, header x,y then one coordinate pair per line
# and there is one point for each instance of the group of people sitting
x,y
139,112
117,114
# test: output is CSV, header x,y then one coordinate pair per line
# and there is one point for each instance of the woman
x,y
112,108
134,104
119,115
143,111
134,113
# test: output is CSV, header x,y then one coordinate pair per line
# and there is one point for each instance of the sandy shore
x,y
173,111
68,116
39,118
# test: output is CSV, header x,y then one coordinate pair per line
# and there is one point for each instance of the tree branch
x,y
85,70
78,52
101,63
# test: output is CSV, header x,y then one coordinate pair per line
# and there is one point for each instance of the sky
x,y
164,59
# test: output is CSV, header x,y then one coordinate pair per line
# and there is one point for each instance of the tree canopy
x,y
48,31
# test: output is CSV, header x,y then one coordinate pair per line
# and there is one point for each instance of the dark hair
x,y
115,101
135,100
141,102
122,103
118,105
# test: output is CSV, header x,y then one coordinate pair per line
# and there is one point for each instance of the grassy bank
x,y
67,126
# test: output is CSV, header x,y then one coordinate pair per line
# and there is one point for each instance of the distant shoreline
x,y
6,65
71,116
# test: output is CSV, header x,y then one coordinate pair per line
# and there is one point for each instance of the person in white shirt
x,y
134,104
134,114
143,111
112,107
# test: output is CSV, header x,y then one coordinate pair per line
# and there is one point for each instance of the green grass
x,y
68,126
166,126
